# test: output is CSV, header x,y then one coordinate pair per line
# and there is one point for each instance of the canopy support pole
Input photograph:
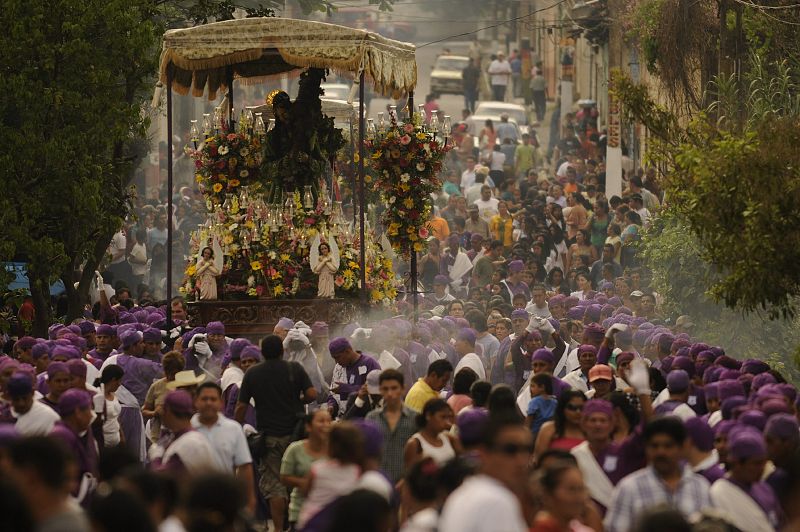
x,y
414,272
362,201
229,81
170,325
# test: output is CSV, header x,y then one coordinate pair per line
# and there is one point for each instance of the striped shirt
x,y
394,441
644,490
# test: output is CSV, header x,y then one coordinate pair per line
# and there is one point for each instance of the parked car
x,y
446,74
515,112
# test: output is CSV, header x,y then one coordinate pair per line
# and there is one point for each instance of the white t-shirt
x,y
228,442
111,425
498,160
38,421
138,259
487,208
500,72
481,503
117,247
467,179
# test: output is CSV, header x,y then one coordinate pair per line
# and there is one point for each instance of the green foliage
x,y
70,105
736,184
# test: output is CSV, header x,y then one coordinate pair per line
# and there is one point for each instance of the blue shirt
x,y
542,407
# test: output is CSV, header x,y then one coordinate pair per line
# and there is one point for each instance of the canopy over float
x,y
213,55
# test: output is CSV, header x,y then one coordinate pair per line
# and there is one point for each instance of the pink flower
x,y
405,140
408,128
423,232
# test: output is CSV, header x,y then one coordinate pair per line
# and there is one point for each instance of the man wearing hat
x,y
208,350
75,408
189,452
139,372
499,76
678,385
367,399
749,502
104,342
59,380
283,326
474,224
513,284
349,375
34,418
151,338
579,378
439,295
782,436
699,449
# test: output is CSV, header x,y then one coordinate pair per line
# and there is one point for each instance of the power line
x,y
491,26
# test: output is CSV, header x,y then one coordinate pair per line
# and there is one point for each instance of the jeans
x,y
499,93
540,102
470,97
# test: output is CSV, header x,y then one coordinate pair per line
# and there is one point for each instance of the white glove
x,y
617,327
541,324
639,378
202,348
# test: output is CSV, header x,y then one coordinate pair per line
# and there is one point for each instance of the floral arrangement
x,y
407,159
225,162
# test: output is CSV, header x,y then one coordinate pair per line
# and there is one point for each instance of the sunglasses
x,y
574,408
511,449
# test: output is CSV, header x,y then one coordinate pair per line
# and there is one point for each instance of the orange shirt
x,y
439,228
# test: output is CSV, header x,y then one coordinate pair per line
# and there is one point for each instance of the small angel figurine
x,y
209,267
324,260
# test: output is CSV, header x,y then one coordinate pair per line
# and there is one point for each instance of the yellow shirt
x,y
419,394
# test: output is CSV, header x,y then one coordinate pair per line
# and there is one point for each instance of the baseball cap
x,y
600,372
373,382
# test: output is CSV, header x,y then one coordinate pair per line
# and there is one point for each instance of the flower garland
x,y
226,161
407,159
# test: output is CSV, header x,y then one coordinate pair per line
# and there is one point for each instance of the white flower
x,y
392,199
223,150
251,281
272,255
405,177
420,166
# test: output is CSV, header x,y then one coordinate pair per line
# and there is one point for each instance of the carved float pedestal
x,y
256,318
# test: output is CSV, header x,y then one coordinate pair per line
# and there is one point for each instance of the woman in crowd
x,y
564,431
581,253
433,439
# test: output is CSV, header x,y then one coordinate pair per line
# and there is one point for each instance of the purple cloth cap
x,y
730,388
616,301
728,362
179,402
74,329
695,349
236,347
712,374
666,364
472,425
126,317
593,331
72,400
319,328
598,406
250,352
20,384
338,345
373,437
711,391
516,266
783,427
730,375
746,443
67,352
441,280
761,380
606,285
576,313
520,313
284,323
623,310
730,404
571,301
57,367
772,407
39,350
77,368
25,343
700,433
152,335
556,300
755,367
215,327
544,355
724,427
130,338
753,418
52,331
677,381
467,335
684,363
625,357
106,330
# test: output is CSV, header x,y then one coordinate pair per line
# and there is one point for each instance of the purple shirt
x,y
762,493
83,449
139,375
356,375
713,473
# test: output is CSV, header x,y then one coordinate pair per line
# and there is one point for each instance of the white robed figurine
x,y
209,267
324,261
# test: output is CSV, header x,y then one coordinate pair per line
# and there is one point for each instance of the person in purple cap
x,y
59,380
699,449
139,372
579,379
513,284
75,408
189,452
208,350
349,375
748,501
151,338
782,436
23,349
33,418
678,386
280,390
104,346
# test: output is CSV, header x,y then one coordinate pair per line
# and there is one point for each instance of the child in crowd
x,y
542,405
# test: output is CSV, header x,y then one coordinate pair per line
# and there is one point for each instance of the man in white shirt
x,y
468,175
487,205
225,436
636,203
538,304
34,418
487,501
499,72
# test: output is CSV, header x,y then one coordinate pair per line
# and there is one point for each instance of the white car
x,y
515,112
446,75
